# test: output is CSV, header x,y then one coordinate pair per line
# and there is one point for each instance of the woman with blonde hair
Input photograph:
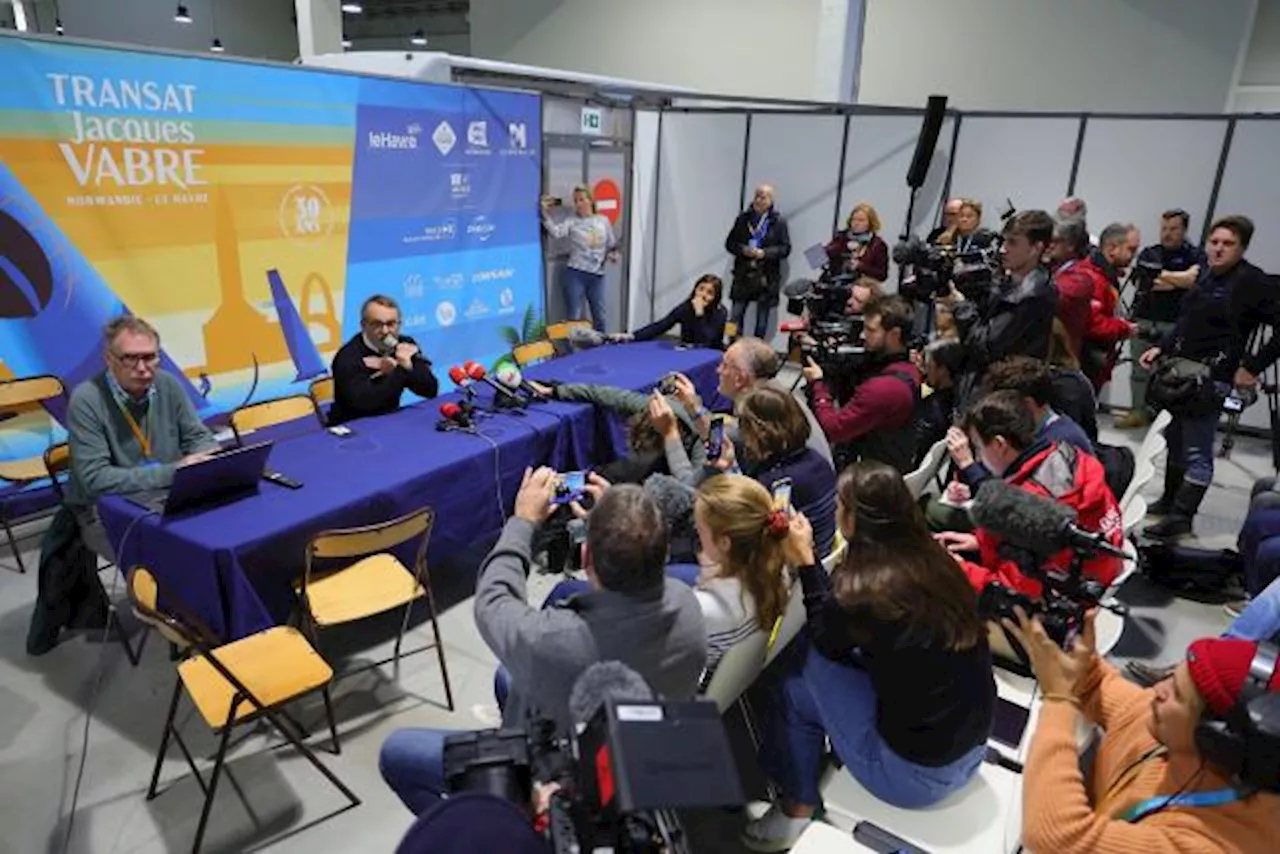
x,y
591,244
968,235
858,248
742,587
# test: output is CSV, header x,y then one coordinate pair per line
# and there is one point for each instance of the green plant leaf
x,y
511,335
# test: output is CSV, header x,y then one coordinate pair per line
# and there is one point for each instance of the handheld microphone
x,y
584,338
510,376
389,344
477,373
454,417
1039,525
603,681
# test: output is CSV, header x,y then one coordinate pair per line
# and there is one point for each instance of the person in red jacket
x,y
1002,428
1074,285
1105,330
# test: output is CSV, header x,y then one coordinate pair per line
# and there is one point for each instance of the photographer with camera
x,y
634,614
1013,317
758,241
1002,430
1189,766
1164,274
876,423
1105,331
858,248
1201,359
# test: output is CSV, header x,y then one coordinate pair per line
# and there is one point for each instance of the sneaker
x,y
774,831
1233,609
1134,420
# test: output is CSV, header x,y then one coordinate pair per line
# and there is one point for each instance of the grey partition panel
x,y
800,156
1026,160
699,184
880,148
1132,169
1251,186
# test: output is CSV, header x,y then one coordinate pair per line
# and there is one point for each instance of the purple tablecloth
x,y
232,566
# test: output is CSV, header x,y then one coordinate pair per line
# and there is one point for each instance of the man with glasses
x,y
372,369
129,427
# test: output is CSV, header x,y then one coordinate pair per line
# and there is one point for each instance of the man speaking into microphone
x,y
374,368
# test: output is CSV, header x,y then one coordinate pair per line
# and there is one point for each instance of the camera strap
x,y
1159,803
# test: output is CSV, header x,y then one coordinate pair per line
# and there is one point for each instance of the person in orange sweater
x,y
1151,790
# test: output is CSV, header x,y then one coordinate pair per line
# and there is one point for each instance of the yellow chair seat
x,y
370,586
276,665
23,470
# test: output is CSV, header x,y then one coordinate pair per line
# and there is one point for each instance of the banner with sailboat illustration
x,y
247,211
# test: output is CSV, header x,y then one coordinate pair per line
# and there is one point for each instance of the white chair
x,y
739,667
918,481
1134,513
1108,625
793,618
824,839
1144,469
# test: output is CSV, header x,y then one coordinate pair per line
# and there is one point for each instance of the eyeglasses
x,y
134,360
382,324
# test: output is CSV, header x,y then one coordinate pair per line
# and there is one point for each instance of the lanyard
x,y
138,432
1216,798
760,228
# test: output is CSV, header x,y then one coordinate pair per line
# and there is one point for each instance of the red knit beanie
x,y
1219,667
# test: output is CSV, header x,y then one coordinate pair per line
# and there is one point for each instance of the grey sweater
x,y
105,455
659,634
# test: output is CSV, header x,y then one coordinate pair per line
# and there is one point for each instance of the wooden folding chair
x,y
233,683
18,395
257,416
374,584
321,392
533,352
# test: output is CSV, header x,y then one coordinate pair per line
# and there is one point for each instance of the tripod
x,y
1269,386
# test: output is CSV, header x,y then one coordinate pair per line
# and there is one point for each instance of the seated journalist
x,y
1153,789
374,368
634,614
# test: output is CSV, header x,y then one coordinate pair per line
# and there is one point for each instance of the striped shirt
x,y
729,613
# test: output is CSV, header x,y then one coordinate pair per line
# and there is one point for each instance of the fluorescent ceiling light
x,y
182,16
217,47
352,8
419,38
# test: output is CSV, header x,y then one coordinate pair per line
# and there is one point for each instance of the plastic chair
x,y
257,416
377,582
794,617
739,668
822,838
533,352
321,392
918,481
563,330
1134,513
17,395
1108,626
1153,445
232,684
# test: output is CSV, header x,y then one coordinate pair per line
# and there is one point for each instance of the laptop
x,y
221,479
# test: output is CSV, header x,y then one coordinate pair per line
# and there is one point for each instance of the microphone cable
x,y
95,692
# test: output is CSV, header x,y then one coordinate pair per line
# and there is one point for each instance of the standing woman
x,y
859,248
758,242
591,244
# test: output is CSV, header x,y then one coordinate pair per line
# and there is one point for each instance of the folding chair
x,y
374,584
738,669
257,416
563,330
533,352
232,684
17,395
918,480
321,392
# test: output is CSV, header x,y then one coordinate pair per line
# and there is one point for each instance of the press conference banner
x,y
247,211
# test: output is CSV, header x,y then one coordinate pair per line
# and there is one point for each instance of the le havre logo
x,y
392,141
444,137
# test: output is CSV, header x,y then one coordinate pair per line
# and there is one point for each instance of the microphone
x,y
510,376
454,417
584,338
603,681
459,376
1039,525
477,372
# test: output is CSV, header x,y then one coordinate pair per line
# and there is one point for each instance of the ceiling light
x,y
57,26
352,8
419,38
217,47
182,16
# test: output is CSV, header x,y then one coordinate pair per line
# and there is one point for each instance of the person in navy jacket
x,y
701,317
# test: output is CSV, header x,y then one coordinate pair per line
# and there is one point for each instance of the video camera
x,y
823,299
934,269
1061,611
619,777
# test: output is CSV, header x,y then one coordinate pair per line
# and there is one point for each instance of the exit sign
x,y
592,121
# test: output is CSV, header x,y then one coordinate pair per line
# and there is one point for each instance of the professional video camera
x,y
929,271
823,299
619,777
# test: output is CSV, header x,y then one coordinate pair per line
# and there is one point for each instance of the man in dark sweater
x,y
1215,322
374,368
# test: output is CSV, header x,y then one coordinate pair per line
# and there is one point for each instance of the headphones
x,y
1245,743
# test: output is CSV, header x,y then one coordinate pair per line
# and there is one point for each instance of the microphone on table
x,y
510,376
601,682
477,373
584,338
454,417
1039,525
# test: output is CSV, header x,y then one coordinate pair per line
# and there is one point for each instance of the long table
x,y
233,566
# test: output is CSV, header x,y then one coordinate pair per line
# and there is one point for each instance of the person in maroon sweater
x,y
858,248
877,421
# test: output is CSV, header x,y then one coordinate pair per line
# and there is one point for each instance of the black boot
x,y
1178,522
1173,477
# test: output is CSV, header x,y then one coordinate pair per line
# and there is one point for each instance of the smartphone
x,y
715,439
570,486
882,841
1231,403
1009,724
667,385
781,490
340,430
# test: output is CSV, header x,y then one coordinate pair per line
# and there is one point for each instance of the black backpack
x,y
1215,574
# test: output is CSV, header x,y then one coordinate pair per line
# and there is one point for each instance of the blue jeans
x,y
1191,444
1259,546
819,699
738,313
580,285
1260,621
412,763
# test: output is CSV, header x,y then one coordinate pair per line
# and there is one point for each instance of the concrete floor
x,y
271,798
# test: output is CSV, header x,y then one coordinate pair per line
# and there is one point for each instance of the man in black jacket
x,y
1215,322
1016,318
372,369
758,242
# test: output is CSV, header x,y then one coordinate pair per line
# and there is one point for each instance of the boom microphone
x,y
477,372
1039,525
602,681
584,338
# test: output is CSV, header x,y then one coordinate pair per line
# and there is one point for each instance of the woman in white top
x,y
591,244
742,588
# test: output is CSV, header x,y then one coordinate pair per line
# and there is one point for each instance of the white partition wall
x,y
699,187
800,156
1024,159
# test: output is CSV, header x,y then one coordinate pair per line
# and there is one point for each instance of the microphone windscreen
x,y
389,343
457,375
602,681
583,337
799,287
509,376
1027,521
466,366
475,370
674,499
449,409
